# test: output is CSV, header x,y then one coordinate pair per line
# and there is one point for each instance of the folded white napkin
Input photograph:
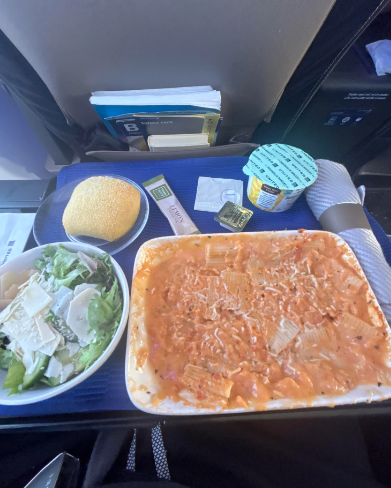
x,y
15,229
332,187
212,193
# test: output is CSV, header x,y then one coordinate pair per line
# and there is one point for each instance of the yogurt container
x,y
278,175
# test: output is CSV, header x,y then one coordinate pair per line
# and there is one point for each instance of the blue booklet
x,y
129,127
134,115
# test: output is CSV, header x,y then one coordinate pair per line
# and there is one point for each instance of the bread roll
x,y
102,207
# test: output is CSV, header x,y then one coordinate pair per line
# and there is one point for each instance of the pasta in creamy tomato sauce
x,y
238,321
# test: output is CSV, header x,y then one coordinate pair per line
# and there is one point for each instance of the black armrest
x,y
24,195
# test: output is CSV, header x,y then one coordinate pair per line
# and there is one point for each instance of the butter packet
x,y
179,220
212,193
233,217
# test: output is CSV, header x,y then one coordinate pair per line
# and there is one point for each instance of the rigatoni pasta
x,y
250,319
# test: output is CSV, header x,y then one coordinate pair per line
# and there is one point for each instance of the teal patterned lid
x,y
282,166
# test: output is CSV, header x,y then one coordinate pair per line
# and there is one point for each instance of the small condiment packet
x,y
212,193
233,217
170,206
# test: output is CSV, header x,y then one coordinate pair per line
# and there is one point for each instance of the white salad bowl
x,y
25,261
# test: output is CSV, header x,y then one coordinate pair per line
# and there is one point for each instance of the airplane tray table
x,y
102,399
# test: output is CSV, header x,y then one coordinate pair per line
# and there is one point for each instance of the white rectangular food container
x,y
141,382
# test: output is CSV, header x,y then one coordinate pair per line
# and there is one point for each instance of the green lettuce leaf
x,y
53,382
51,317
62,262
63,357
103,311
99,313
104,273
67,268
5,358
113,297
15,376
72,279
105,258
5,354
49,251
40,264
90,353
103,315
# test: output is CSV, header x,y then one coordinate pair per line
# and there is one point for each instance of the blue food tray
x,y
105,389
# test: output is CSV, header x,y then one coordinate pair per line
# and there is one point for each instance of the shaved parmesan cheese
x,y
35,299
213,296
54,368
84,286
63,297
26,274
52,346
77,315
24,329
62,292
47,285
34,277
14,346
44,330
31,334
73,348
28,361
9,310
66,372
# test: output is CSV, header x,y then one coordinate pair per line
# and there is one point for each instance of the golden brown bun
x,y
102,207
